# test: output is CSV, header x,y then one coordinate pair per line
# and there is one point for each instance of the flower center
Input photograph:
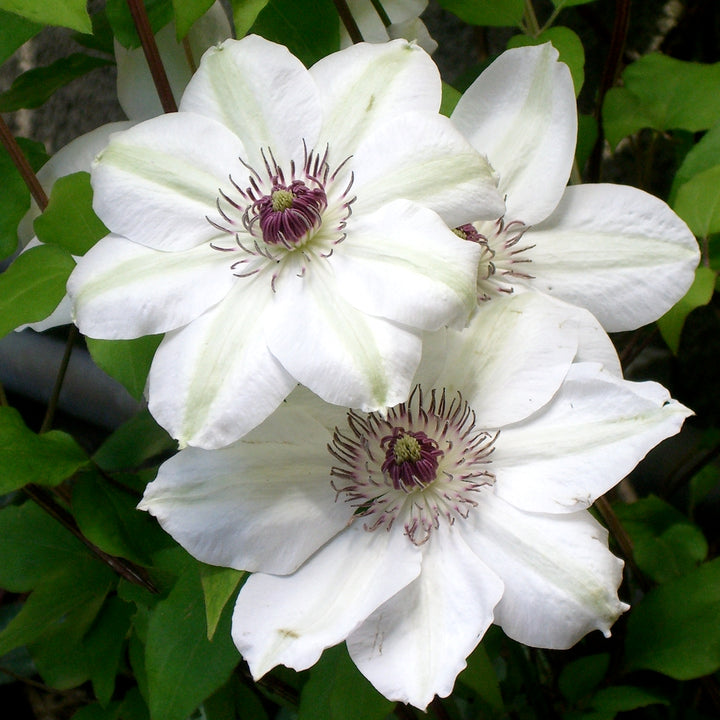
x,y
288,214
501,256
411,458
424,462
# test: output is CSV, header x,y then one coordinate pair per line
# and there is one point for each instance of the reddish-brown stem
x,y
152,55
23,166
348,21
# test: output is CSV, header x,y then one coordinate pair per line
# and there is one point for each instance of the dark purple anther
x,y
411,459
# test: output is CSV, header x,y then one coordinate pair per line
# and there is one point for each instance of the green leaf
x,y
697,202
623,698
245,13
98,712
69,220
15,197
567,43
486,12
183,667
160,13
108,518
450,98
79,587
14,32
674,629
103,646
128,361
480,676
187,12
336,686
66,13
219,585
33,286
570,3
29,458
310,36
662,93
34,87
134,443
234,700
587,136
699,294
702,156
580,677
33,545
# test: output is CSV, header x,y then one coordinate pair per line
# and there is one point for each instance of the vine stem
x,y
3,397
152,55
55,396
380,10
348,21
23,166
127,570
531,22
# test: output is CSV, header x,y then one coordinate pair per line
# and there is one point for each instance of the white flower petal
x,y
257,89
263,504
509,361
343,355
592,434
76,156
366,84
413,29
156,183
521,113
135,87
560,578
291,619
403,263
414,645
616,250
124,290
214,380
422,157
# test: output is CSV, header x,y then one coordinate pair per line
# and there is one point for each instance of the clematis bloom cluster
x,y
396,429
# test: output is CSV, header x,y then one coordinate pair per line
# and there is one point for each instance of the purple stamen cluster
x,y
289,213
411,458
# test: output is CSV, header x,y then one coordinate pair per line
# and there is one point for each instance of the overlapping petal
x,y
245,86
364,85
125,290
157,183
414,645
203,372
406,265
238,505
616,250
592,434
449,177
291,619
339,352
521,113
560,578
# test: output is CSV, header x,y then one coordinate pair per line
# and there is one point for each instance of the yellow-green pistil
x,y
282,200
407,449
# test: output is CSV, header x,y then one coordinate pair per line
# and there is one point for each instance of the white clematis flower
x,y
407,535
401,20
619,252
286,225
139,99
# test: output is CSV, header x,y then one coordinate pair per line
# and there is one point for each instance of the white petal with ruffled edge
x,y
262,93
521,113
503,363
447,176
414,645
289,620
239,506
592,434
403,263
157,182
364,85
560,578
616,250
340,353
124,290
204,372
